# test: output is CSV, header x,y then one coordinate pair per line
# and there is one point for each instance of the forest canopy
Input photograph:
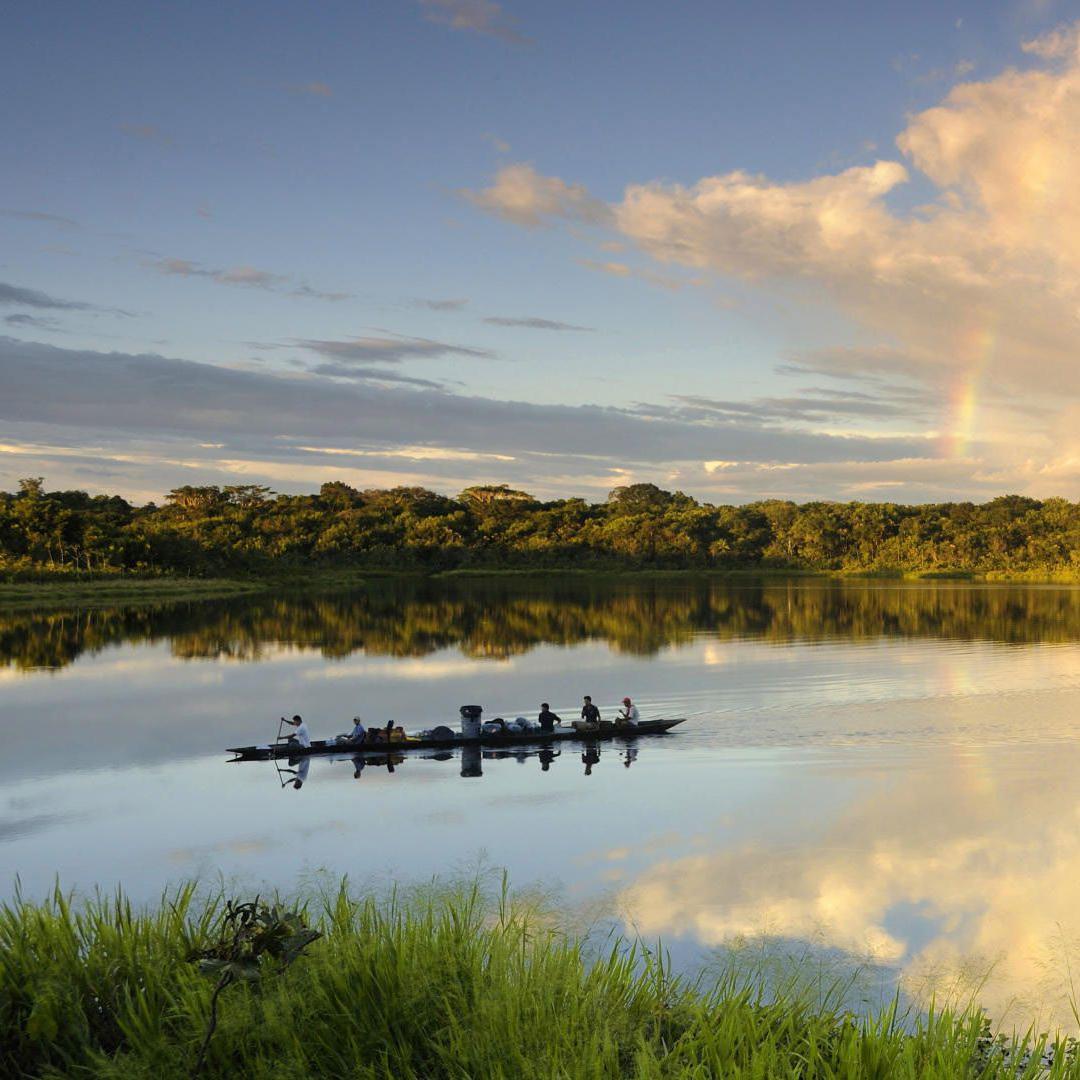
x,y
247,528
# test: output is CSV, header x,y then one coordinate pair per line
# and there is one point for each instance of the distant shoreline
x,y
131,589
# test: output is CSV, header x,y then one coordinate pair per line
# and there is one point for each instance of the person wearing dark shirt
x,y
547,718
589,712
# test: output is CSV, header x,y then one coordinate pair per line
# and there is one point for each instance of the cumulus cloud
x,y
478,16
1061,43
522,195
533,323
984,278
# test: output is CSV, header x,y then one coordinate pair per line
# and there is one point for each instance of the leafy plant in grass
x,y
255,940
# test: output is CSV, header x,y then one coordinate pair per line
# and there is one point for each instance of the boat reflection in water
x,y
293,772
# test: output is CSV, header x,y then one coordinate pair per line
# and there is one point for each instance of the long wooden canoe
x,y
582,733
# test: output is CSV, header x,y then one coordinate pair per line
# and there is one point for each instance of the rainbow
x,y
976,349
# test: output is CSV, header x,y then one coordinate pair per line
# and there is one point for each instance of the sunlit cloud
x,y
478,16
974,296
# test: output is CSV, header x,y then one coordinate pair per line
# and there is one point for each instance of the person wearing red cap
x,y
628,714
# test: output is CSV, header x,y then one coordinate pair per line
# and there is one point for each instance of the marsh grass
x,y
443,982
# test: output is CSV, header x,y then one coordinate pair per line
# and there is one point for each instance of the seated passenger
x,y
628,714
547,719
358,730
589,712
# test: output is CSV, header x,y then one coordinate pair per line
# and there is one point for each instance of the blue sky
x,y
332,202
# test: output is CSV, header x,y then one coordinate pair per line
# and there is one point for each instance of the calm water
x,y
885,774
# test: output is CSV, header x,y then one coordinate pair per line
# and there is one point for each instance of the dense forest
x,y
202,531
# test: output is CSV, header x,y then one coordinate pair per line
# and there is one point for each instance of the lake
x,y
881,776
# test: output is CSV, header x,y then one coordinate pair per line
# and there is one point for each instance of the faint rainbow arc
x,y
976,348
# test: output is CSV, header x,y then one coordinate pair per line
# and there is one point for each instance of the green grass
x,y
118,590
124,589
440,984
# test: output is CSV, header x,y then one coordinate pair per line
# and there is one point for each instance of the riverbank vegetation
x,y
442,984
248,530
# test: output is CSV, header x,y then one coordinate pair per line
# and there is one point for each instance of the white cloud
x,y
1058,44
975,295
522,195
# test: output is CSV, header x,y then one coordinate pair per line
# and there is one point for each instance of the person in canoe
x,y
628,714
302,737
547,719
359,732
589,712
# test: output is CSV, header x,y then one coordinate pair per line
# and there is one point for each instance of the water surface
x,y
885,773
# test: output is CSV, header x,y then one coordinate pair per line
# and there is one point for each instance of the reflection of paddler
x,y
631,757
591,757
547,756
358,766
300,772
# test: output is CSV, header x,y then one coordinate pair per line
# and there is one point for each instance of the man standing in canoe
x,y
589,712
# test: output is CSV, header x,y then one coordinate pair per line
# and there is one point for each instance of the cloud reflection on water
x,y
961,866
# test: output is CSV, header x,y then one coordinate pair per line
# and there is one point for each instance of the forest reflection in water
x,y
501,618
873,771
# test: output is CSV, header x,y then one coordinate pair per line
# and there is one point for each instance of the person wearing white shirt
x,y
302,737
628,714
358,732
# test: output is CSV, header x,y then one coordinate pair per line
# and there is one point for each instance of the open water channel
x,y
882,776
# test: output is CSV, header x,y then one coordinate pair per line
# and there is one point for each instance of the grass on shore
x,y
113,590
445,984
126,589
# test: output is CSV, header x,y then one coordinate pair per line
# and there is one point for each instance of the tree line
x,y
211,530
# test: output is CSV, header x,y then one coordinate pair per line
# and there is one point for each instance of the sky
x,y
741,250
